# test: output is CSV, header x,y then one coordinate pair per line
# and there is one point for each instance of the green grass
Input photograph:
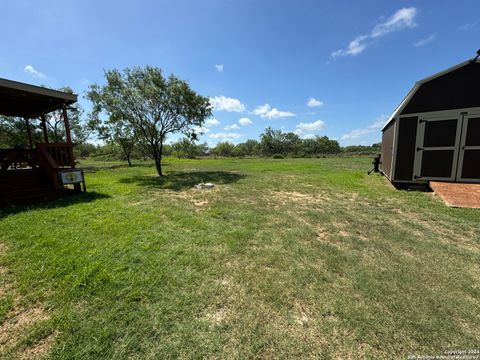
x,y
285,258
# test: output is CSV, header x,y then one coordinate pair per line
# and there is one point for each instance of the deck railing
x,y
52,158
61,153
17,159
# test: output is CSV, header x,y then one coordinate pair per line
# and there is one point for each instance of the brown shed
x,y
434,134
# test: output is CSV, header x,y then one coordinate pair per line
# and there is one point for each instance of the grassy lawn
x,y
288,258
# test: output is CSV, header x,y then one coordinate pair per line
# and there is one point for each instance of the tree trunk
x,y
158,164
127,155
158,158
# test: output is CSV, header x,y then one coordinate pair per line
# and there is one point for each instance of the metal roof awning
x,y
30,101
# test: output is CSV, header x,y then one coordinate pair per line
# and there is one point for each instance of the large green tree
x,y
278,142
153,105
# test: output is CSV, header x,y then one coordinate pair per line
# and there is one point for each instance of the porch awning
x,y
30,101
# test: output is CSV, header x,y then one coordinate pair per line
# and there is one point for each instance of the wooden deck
x,y
458,195
33,175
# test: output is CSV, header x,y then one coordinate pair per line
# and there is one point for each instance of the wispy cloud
x,y
212,122
220,103
312,102
425,41
308,130
29,69
245,121
201,129
467,26
402,19
313,126
267,112
231,127
359,133
206,127
225,136
219,67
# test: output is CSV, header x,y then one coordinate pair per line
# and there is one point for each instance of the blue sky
x,y
334,68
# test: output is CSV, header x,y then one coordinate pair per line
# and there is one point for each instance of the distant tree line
x,y
272,143
135,112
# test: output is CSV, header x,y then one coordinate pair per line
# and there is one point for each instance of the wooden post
x,y
69,139
44,128
30,142
67,124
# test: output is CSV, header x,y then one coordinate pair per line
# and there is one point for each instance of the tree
x,y
277,142
13,132
271,141
118,131
320,145
248,148
80,129
184,148
202,149
224,149
291,143
152,105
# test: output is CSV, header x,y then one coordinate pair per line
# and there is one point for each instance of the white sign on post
x,y
71,177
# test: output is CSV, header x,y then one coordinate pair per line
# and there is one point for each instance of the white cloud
x,y
308,130
402,19
206,127
245,121
225,136
266,111
312,102
313,126
355,47
29,69
219,67
359,133
425,41
227,104
231,127
467,26
212,122
201,129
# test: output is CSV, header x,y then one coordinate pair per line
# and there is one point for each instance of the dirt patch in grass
x,y
40,349
218,316
19,320
298,197
13,328
326,236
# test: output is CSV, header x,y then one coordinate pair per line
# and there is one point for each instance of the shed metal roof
x,y
30,101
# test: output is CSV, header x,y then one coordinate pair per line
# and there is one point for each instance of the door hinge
x,y
419,149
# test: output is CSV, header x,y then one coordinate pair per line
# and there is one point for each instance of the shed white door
x,y
469,157
437,146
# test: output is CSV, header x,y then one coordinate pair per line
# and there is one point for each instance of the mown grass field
x,y
287,258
